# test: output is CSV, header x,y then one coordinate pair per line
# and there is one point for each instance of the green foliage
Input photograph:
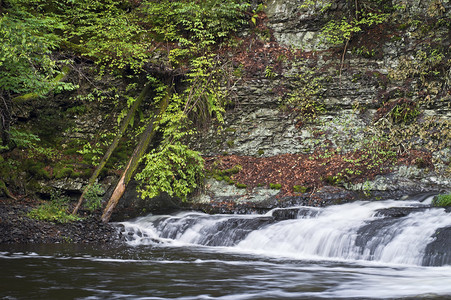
x,y
364,51
228,172
27,64
194,24
126,39
26,43
53,213
442,200
375,154
56,210
65,172
93,197
316,5
23,139
44,153
93,151
299,189
367,188
218,177
275,186
363,152
172,168
205,98
91,154
227,175
363,14
260,8
269,72
229,180
240,185
337,33
117,35
123,36
427,64
404,111
107,31
333,179
305,96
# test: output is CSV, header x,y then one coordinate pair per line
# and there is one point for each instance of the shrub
x,y
218,177
226,174
93,197
275,186
442,200
240,185
234,170
299,189
54,211
333,180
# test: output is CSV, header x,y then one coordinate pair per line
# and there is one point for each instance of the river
x,y
361,250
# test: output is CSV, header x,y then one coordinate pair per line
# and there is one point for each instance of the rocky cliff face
x,y
306,122
389,85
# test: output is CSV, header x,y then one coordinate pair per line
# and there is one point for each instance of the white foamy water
x,y
335,231
369,250
353,231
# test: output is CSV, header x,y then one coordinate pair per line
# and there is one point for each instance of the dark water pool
x,y
190,272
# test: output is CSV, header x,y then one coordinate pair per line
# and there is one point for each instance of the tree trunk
x,y
5,118
32,96
138,153
5,190
113,145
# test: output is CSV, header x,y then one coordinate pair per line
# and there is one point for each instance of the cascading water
x,y
369,231
361,250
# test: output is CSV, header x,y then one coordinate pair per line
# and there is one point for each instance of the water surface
x,y
346,251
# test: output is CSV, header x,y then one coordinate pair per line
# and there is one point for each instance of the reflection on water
x,y
351,251
163,272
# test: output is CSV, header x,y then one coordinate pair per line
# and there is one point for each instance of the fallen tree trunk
x,y
5,190
5,120
32,96
106,157
133,162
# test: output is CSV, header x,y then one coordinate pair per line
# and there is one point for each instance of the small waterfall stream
x,y
360,250
394,232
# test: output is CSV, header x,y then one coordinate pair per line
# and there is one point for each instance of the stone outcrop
x,y
351,95
353,92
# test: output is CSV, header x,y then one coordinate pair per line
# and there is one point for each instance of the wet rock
x,y
438,252
233,231
328,195
365,234
398,212
285,214
293,213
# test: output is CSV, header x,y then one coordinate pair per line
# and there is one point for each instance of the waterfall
x,y
397,232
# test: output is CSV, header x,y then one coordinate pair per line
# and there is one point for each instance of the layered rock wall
x,y
359,89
